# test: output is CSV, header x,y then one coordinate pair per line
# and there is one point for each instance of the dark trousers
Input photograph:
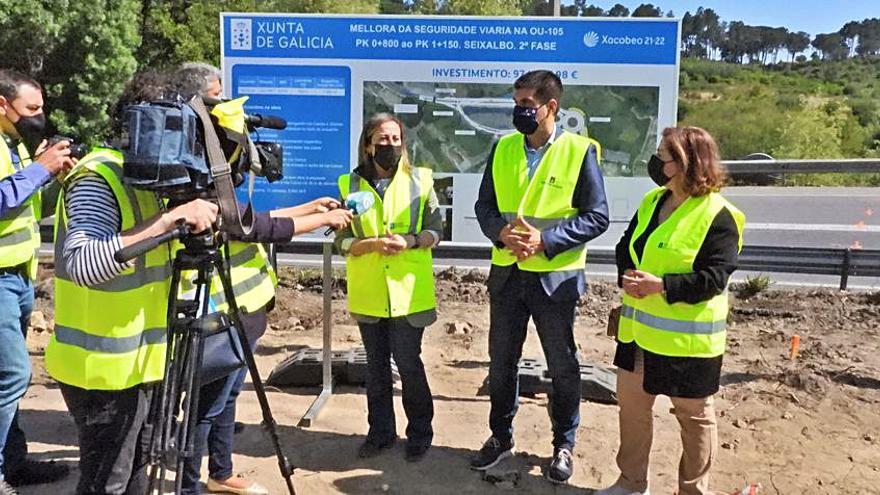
x,y
112,438
396,337
216,423
522,297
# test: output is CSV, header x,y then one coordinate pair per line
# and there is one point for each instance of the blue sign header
x,y
454,39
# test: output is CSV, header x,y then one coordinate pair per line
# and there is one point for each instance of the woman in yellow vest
x,y
674,262
391,280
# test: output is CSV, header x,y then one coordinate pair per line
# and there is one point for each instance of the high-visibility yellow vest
x,y
543,201
19,229
111,336
252,277
679,329
400,284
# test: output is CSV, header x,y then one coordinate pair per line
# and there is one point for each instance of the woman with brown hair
x,y
674,262
390,276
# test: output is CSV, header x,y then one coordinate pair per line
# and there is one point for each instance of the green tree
x,y
831,45
618,10
93,60
176,31
393,7
822,130
797,42
425,7
482,7
647,10
29,30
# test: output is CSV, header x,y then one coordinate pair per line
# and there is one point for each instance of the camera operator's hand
x,y
323,205
56,158
336,219
198,214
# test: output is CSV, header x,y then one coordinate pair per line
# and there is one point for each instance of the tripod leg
x,y
192,387
195,337
159,407
268,421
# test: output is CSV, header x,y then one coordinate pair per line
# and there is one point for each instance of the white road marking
x,y
813,227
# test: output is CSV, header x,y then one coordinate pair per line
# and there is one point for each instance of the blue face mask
x,y
525,119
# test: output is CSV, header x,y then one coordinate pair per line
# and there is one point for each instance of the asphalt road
x,y
775,216
829,217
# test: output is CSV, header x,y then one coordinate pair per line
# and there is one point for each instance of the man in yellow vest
x,y
541,199
108,347
21,128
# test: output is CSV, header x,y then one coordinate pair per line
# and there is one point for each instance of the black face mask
x,y
387,156
655,170
31,130
525,119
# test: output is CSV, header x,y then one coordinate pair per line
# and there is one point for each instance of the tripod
x,y
188,326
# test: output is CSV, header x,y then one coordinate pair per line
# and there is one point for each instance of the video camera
x,y
165,148
77,150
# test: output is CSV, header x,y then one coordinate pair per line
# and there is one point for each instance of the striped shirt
x,y
93,231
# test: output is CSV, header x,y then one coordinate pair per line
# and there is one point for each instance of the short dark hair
x,y
546,84
11,80
146,85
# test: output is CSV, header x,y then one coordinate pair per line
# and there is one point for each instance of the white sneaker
x,y
616,489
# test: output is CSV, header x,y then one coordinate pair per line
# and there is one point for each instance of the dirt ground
x,y
806,426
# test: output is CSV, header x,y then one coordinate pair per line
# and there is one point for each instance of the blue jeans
x,y
216,423
522,297
16,303
396,337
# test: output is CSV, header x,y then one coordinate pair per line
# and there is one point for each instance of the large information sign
x,y
450,81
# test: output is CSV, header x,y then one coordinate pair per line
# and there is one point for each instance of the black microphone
x,y
253,120
267,121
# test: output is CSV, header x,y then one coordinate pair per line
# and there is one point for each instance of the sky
x,y
812,16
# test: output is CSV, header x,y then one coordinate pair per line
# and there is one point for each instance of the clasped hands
x,y
639,284
522,238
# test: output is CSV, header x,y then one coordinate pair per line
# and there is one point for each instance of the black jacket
x,y
713,265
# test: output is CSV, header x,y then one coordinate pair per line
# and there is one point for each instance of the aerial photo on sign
x,y
451,127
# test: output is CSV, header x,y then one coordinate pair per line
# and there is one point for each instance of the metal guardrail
x,y
851,165
769,259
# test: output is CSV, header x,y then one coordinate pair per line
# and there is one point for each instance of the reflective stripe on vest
x,y
111,336
19,229
543,201
394,285
253,279
679,329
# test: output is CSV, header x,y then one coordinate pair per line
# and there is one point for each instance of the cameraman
x,y
109,341
253,282
21,127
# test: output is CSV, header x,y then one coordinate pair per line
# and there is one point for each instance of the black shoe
x,y
415,453
237,428
6,488
492,453
36,473
561,466
372,448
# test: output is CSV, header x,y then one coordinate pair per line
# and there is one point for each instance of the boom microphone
x,y
267,121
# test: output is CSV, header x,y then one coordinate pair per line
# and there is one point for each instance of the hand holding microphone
x,y
357,203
